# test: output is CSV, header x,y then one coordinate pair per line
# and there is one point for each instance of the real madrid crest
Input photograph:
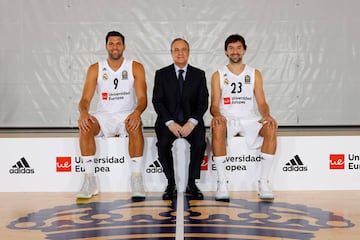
x,y
124,75
226,80
105,76
247,78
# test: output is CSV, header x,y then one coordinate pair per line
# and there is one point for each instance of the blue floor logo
x,y
156,219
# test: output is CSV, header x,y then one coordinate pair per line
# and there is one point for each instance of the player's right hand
x,y
218,120
85,122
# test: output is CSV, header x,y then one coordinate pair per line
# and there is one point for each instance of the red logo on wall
x,y
337,161
205,163
227,100
104,96
63,164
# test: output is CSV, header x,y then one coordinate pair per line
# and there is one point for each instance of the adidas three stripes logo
x,y
295,165
21,164
21,167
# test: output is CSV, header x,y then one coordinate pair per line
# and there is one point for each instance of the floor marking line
x,y
180,216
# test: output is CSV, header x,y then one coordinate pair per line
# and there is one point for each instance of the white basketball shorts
x,y
248,128
111,124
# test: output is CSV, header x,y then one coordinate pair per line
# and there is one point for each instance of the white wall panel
x,y
308,52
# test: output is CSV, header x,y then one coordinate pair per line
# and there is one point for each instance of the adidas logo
x,y
21,167
295,165
155,167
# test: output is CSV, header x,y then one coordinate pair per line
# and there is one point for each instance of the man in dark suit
x,y
180,99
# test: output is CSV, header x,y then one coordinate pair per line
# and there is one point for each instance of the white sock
x,y
266,165
220,167
136,165
88,163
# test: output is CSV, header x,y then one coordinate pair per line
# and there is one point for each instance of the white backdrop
x,y
302,163
307,50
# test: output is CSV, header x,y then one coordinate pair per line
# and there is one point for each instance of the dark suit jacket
x,y
166,95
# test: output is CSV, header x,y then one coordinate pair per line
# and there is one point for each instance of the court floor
x,y
330,215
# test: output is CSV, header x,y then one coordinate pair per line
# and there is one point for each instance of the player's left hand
x,y
268,121
133,121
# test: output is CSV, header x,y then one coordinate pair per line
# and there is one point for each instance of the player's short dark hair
x,y
235,38
114,34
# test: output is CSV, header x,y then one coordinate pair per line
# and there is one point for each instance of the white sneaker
x,y
137,188
264,190
89,187
222,193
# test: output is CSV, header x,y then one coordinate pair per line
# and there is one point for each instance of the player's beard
x,y
237,59
115,56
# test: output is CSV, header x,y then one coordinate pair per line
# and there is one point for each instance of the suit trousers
x,y
165,140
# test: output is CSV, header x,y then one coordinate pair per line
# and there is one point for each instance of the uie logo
x,y
337,161
227,100
205,163
104,96
63,164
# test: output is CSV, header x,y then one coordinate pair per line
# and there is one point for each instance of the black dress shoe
x,y
170,192
194,191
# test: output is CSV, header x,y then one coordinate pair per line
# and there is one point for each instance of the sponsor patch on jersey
x,y
104,95
227,100
247,78
124,75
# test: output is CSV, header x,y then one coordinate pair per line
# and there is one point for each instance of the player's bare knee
x,y
269,133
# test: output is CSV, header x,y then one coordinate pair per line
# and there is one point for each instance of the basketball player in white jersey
x,y
236,91
122,99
